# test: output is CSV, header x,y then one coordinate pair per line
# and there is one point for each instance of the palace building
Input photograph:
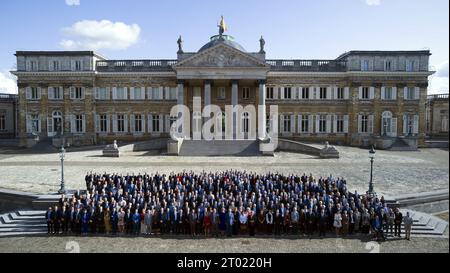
x,y
360,98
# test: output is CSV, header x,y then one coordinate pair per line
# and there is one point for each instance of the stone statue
x,y
261,45
222,27
115,145
111,150
180,45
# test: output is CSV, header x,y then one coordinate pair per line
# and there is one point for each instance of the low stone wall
x,y
298,147
154,144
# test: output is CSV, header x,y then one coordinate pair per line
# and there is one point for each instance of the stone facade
x,y
8,116
355,99
437,115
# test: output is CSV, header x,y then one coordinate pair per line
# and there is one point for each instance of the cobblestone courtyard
x,y
394,172
234,245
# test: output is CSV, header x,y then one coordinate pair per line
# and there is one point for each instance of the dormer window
x,y
365,65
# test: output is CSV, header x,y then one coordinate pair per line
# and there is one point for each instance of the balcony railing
x,y
308,65
438,97
8,97
135,65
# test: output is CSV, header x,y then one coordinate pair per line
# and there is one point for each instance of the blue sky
x,y
133,29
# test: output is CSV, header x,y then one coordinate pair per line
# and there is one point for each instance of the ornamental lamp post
x,y
371,192
62,154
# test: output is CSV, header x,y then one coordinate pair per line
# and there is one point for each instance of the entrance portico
x,y
222,74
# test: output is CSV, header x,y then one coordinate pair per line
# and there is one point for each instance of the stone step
x,y
15,216
219,148
8,234
31,213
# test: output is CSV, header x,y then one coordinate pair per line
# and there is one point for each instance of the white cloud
x,y
8,83
373,2
439,82
94,35
73,2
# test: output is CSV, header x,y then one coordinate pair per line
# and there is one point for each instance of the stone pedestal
x,y
329,152
174,146
111,150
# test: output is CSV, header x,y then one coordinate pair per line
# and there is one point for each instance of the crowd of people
x,y
229,203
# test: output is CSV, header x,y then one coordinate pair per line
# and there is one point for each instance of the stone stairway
x,y
22,223
425,225
219,148
400,145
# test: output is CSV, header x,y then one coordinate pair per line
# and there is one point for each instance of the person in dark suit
x,y
65,219
192,222
222,221
269,222
48,217
278,222
398,223
56,218
115,221
229,222
323,221
84,222
77,221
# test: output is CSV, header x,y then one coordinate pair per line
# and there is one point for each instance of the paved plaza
x,y
394,172
233,245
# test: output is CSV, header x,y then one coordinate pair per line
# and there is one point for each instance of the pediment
x,y
221,56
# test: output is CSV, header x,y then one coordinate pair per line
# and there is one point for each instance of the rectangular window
x,y
388,93
120,123
173,93
55,65
322,124
410,93
287,123
340,93
269,92
79,124
156,95
102,93
34,93
121,93
78,93
305,124
388,65
138,93
287,92
365,93
155,123
339,124
410,65
365,65
2,122
323,93
305,93
364,126
138,123
268,124
246,92
56,93
221,95
35,124
103,123
78,66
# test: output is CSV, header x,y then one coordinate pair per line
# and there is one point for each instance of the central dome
x,y
226,39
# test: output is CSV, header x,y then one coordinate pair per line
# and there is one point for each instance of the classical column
x,y
207,93
180,92
234,102
262,109
234,92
